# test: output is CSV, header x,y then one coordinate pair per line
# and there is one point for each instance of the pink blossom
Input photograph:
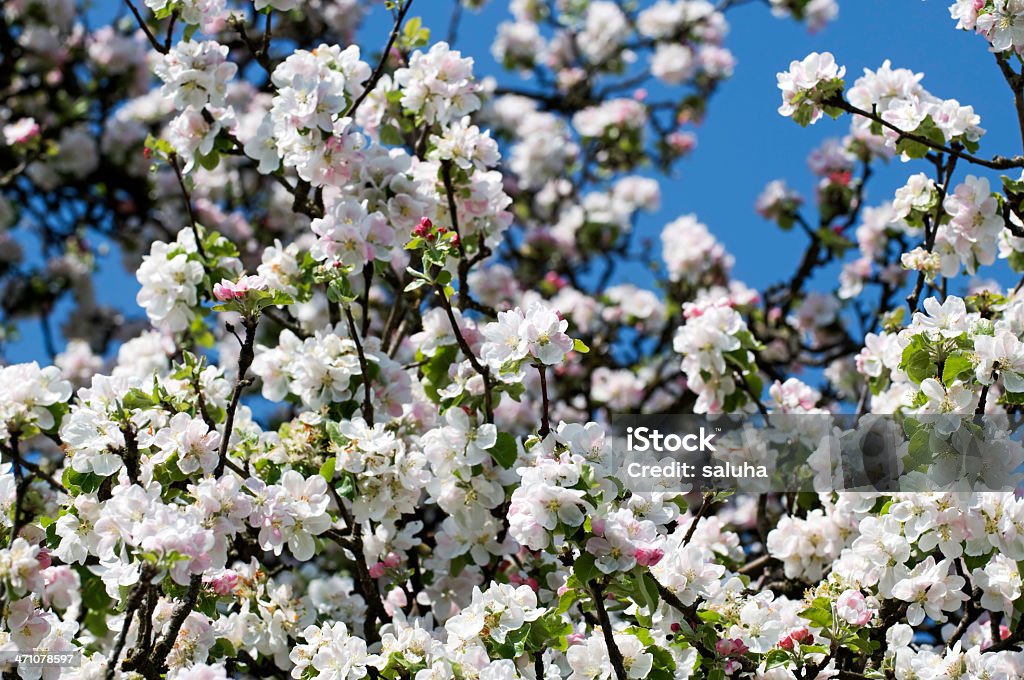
x,y
648,557
794,637
852,607
224,583
225,291
21,131
734,647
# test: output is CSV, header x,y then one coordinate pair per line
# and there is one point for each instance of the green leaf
x,y
504,452
346,488
585,568
413,285
775,657
566,600
957,366
327,469
917,360
819,613
580,346
649,588
391,136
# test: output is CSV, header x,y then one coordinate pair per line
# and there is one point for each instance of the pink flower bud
x,y
377,570
223,584
392,560
648,557
681,142
734,647
224,291
21,131
797,635
44,559
852,608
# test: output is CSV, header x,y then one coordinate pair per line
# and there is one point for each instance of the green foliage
x,y
505,451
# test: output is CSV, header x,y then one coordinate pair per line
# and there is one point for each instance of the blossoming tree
x,y
358,425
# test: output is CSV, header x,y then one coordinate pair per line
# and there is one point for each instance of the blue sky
x,y
743,143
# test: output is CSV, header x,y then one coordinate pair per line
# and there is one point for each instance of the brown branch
x,y
187,197
354,543
614,654
995,163
364,366
133,602
1016,83
245,358
379,71
484,372
145,29
545,419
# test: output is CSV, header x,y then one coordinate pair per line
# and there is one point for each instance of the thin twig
x,y
145,29
245,358
484,371
364,366
995,163
187,197
614,654
379,71
545,422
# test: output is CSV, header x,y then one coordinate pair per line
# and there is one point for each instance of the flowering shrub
x,y
359,425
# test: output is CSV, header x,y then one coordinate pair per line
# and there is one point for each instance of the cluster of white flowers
x,y
351,237
817,12
621,541
1000,21
808,85
545,500
330,653
290,513
320,369
897,96
590,659
690,250
494,614
970,237
615,115
392,474
537,334
438,85
709,333
306,128
170,276
30,398
196,74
